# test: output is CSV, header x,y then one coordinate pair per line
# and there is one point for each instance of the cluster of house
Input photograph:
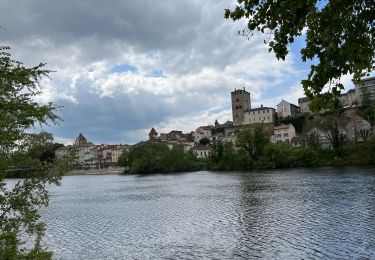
x,y
88,154
267,117
243,114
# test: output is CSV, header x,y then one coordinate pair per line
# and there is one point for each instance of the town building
x,y
304,103
62,151
240,103
260,115
286,109
202,132
201,151
348,99
283,134
365,91
108,155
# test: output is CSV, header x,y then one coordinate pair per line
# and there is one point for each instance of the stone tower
x,y
80,140
153,134
240,103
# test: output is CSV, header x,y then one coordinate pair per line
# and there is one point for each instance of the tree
x,y
339,38
252,141
204,141
19,204
123,159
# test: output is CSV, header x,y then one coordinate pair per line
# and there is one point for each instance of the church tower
x,y
240,103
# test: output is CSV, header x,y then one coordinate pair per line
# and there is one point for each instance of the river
x,y
323,213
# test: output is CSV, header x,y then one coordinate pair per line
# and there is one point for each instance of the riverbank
x,y
101,171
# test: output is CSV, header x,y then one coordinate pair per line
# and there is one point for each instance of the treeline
x,y
252,150
37,149
158,158
270,156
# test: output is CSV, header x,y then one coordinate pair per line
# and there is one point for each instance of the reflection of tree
x,y
252,218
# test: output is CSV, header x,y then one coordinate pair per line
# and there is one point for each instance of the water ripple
x,y
297,214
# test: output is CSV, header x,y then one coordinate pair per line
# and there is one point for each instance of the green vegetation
x,y
24,155
339,38
297,122
158,158
252,151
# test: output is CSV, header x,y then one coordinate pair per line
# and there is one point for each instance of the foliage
x,y
204,141
20,203
312,140
339,38
368,113
158,158
363,153
217,130
252,141
123,159
297,122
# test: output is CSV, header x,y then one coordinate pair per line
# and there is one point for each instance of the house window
x,y
285,134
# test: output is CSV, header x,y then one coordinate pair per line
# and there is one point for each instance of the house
x,y
202,132
348,99
260,115
365,91
283,134
201,151
286,109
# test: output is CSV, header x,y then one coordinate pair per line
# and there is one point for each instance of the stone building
x,y
240,103
260,115
108,155
201,151
283,134
153,134
365,90
304,103
346,100
202,132
286,109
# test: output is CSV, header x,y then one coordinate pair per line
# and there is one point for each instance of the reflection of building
x,y
240,103
260,115
286,109
365,91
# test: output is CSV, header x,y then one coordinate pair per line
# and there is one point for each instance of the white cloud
x,y
201,58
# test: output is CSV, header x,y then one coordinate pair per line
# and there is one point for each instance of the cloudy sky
x,y
122,67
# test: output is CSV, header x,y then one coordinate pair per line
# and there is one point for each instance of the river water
x,y
325,213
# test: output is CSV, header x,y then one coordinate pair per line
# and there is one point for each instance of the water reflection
x,y
308,213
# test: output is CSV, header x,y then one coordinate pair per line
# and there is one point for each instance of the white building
x,y
202,132
365,90
260,115
283,134
109,154
62,151
202,151
304,103
346,100
286,109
